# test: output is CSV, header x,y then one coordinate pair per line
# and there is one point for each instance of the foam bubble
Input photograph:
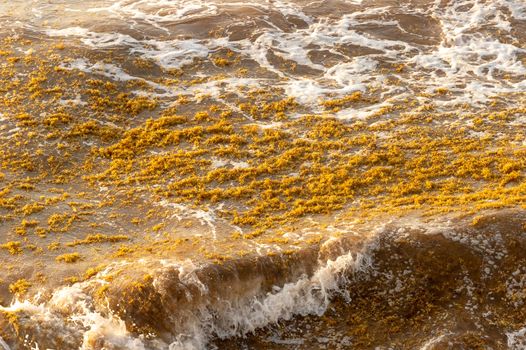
x,y
158,12
4,344
235,317
469,61
307,296
517,339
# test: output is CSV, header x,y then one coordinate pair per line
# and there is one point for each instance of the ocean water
x,y
262,175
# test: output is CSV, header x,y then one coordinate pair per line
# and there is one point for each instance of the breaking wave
x,y
438,269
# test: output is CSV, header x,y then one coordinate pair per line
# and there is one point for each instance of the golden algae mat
x,y
262,175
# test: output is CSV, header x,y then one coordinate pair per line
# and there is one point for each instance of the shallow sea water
x,y
262,175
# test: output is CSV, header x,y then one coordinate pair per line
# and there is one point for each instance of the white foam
x,y
76,101
289,46
468,63
206,218
158,12
115,73
295,341
65,32
72,299
220,163
517,339
291,9
307,296
467,56
4,344
168,54
428,345
105,69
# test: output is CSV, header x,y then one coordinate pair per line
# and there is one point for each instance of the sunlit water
x,y
266,174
